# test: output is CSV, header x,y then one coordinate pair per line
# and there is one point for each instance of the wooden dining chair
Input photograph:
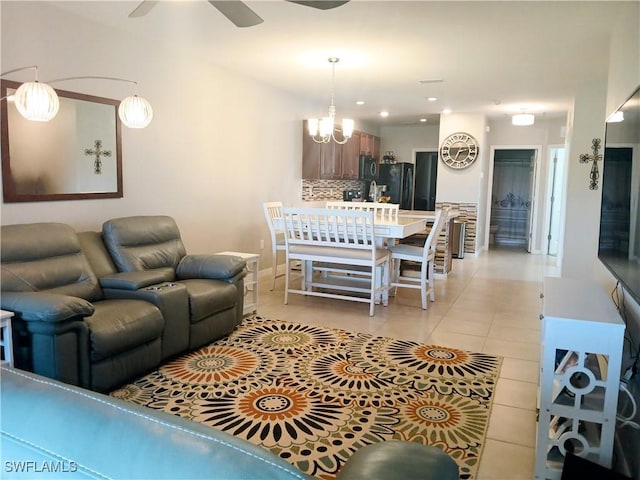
x,y
274,210
425,256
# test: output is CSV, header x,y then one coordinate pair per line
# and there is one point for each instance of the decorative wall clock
x,y
459,150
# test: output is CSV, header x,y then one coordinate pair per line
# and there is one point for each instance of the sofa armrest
x,y
214,267
45,307
133,280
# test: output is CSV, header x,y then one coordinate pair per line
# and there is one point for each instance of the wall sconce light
x,y
523,119
39,102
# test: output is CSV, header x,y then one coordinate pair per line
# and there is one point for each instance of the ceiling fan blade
x,y
143,8
320,4
239,14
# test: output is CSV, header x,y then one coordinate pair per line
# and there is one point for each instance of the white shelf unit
x,y
250,281
6,341
582,341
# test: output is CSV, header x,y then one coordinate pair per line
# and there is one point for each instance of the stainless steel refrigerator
x,y
399,179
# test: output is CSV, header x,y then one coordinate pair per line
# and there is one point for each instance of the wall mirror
x,y
77,155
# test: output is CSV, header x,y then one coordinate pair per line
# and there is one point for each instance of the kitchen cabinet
x,y
366,144
351,157
330,161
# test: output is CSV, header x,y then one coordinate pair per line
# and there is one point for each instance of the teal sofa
x,y
53,430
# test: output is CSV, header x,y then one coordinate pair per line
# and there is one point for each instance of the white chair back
x,y
327,227
274,210
383,210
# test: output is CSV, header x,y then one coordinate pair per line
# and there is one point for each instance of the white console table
x,y
250,282
6,340
582,341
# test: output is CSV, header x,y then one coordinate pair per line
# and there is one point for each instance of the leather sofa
x,y
81,320
66,432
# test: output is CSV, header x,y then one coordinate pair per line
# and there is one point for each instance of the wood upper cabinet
x,y
366,144
333,161
350,157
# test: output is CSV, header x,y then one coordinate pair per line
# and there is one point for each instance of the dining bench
x,y
340,238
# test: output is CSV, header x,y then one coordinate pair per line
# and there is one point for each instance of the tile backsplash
x,y
313,190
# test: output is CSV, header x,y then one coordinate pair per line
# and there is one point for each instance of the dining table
x,y
387,231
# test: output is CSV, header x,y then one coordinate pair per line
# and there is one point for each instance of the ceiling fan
x,y
239,13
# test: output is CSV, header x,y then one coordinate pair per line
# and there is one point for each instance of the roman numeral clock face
x,y
459,150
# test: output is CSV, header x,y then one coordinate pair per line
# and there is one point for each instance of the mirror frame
x,y
8,184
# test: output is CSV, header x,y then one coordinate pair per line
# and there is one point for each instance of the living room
x,y
221,144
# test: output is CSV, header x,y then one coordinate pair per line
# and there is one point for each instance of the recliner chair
x,y
153,244
65,327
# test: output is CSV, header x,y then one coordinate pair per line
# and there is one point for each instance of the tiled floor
x,y
489,303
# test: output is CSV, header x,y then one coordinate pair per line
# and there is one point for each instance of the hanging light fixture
x,y
35,101
323,130
39,102
134,111
523,119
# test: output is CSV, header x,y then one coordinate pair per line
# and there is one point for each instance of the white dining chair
x,y
425,256
383,210
274,210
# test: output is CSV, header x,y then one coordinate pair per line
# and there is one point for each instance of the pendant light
x,y
35,101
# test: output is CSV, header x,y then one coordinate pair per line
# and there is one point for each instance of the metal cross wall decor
x,y
98,152
595,157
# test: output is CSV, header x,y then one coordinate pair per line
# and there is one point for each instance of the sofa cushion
x,y
120,325
46,257
143,242
208,297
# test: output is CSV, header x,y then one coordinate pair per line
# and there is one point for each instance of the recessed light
x,y
446,111
384,114
423,120
360,102
432,99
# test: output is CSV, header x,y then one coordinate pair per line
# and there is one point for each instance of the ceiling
x,y
475,56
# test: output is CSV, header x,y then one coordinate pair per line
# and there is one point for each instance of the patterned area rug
x,y
315,395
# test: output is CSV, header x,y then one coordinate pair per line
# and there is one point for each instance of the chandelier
x,y
324,129
39,102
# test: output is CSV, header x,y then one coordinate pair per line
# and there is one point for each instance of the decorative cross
x,y
595,157
98,152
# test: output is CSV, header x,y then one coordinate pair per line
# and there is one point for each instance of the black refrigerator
x,y
398,177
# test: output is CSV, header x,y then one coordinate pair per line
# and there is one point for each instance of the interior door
x,y
426,180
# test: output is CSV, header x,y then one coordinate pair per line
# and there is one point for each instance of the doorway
x,y
426,180
512,198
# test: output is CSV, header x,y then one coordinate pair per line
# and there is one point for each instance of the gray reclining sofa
x,y
97,320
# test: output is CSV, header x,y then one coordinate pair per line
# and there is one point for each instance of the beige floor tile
x,y
512,425
468,327
456,340
517,369
500,331
515,393
506,461
506,348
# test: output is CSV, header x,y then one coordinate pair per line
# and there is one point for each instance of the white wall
x,y
210,156
402,140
